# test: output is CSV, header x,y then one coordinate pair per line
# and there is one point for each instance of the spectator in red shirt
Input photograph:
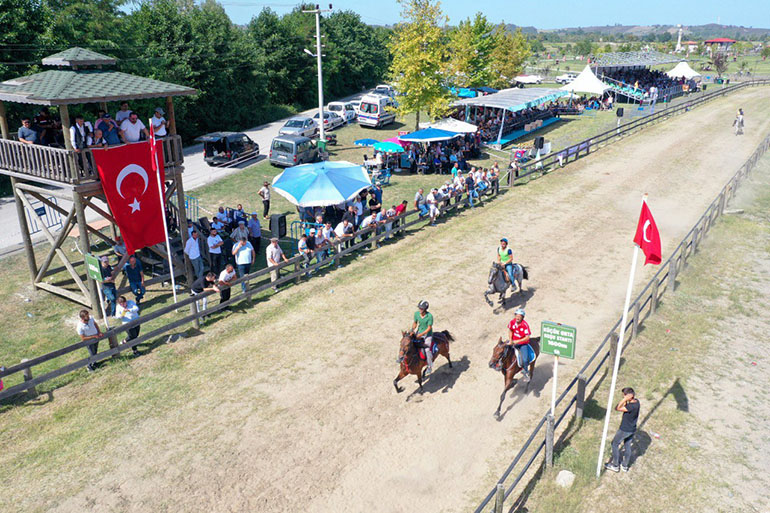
x,y
400,209
519,333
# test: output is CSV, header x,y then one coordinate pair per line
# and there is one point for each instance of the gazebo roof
x,y
76,86
68,87
78,57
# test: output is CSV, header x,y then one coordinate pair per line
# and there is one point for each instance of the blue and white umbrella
x,y
429,135
366,142
322,183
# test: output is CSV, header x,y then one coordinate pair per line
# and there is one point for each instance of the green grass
x,y
659,365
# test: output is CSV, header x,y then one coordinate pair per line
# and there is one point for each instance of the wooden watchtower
x,y
38,172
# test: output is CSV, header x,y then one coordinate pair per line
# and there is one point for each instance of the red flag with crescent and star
x,y
647,236
130,185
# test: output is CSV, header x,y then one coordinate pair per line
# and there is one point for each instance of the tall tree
x,y
471,45
508,56
419,52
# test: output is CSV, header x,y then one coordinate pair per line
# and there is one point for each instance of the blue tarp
x,y
321,184
429,135
514,99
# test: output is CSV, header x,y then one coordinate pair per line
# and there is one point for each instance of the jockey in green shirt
x,y
422,328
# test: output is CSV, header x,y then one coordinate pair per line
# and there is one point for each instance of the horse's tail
x,y
449,337
524,272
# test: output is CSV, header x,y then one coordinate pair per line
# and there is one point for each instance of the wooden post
x,y
672,270
613,351
85,247
183,236
499,498
654,295
28,377
337,257
580,398
297,269
3,122
549,441
25,236
374,240
170,119
635,327
64,113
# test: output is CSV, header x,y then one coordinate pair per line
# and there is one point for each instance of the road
x,y
196,174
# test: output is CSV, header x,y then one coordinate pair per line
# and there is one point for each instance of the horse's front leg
x,y
400,376
508,381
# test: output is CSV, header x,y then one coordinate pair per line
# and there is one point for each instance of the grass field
x,y
686,461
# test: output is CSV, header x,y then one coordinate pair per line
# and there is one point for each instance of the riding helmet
x,y
504,240
422,305
519,311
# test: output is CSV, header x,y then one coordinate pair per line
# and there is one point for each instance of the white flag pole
x,y
163,213
616,366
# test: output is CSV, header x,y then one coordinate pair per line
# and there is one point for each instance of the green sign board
x,y
558,339
93,269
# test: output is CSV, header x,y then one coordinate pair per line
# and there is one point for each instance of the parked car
x,y
386,90
566,78
345,110
529,79
222,147
356,105
374,110
300,125
331,120
292,150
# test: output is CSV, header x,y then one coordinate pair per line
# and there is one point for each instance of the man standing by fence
x,y
274,257
244,256
193,252
264,193
629,405
128,311
89,330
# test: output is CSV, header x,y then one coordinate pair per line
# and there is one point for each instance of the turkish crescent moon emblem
x,y
644,231
129,169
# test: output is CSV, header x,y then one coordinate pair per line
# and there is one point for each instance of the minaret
x,y
679,39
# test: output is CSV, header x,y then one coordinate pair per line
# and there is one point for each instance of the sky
x,y
557,14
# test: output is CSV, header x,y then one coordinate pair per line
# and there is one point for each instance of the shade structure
x,y
586,82
366,142
322,183
514,99
389,147
393,139
429,135
683,70
451,125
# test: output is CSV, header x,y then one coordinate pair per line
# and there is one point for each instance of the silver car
x,y
300,125
331,120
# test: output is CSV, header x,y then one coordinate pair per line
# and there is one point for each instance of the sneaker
x,y
427,372
90,367
526,375
624,469
136,351
611,467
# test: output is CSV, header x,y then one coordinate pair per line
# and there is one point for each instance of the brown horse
x,y
504,360
409,355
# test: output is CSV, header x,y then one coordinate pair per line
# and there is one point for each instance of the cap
x,y
241,222
254,214
104,258
312,230
160,111
107,115
378,183
504,240
273,239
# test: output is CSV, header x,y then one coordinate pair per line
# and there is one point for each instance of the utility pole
x,y
317,11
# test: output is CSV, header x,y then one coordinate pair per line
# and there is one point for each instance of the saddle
x,y
418,342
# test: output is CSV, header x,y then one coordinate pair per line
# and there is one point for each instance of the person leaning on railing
x,y
89,330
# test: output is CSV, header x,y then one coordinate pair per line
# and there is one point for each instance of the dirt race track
x,y
289,407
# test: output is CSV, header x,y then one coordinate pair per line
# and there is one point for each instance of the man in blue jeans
x,y
629,405
108,286
135,275
419,203
244,255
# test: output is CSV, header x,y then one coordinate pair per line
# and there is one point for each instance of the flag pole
x,y
616,366
162,197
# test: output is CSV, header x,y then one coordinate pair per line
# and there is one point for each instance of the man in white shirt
x,y
193,252
344,231
215,250
244,255
159,123
127,311
89,330
123,113
264,193
223,217
79,133
132,129
274,257
96,140
432,202
226,278
217,224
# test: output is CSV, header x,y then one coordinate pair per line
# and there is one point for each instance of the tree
x,y
419,55
765,53
584,47
471,45
719,62
508,57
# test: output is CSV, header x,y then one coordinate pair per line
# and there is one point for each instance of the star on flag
x,y
134,205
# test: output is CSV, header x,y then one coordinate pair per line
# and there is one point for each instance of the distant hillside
x,y
708,31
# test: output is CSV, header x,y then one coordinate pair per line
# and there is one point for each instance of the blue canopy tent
x,y
366,142
322,183
429,135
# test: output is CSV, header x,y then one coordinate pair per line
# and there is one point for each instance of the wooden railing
x,y
66,166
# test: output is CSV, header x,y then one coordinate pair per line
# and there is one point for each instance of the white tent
x,y
451,125
586,82
683,70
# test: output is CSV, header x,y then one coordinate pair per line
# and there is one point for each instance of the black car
x,y
222,147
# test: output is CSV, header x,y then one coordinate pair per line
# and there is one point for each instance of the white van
x,y
374,112
386,90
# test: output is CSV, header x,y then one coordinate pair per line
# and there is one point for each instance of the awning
x,y
514,99
586,82
452,125
429,135
632,59
683,70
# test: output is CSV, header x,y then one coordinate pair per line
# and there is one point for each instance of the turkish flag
x,y
130,184
647,236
